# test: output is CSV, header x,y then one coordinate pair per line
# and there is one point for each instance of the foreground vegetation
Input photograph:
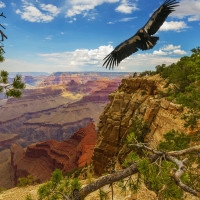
x,y
164,170
183,84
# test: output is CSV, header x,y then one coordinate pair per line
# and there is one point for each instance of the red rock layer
x,y
43,158
7,142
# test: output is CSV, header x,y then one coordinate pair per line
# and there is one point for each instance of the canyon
x,y
46,156
136,98
52,112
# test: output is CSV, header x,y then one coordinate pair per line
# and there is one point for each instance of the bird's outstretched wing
x,y
159,16
122,51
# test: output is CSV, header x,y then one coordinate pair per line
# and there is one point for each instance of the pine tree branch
x,y
119,175
176,174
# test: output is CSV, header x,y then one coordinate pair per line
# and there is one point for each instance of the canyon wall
x,y
54,112
136,97
41,159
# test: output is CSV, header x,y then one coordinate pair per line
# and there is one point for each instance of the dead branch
x,y
148,148
184,151
119,175
177,173
105,180
3,36
2,15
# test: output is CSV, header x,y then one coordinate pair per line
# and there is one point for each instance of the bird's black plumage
x,y
143,39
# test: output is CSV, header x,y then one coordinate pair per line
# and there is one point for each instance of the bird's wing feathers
x,y
134,43
159,16
122,51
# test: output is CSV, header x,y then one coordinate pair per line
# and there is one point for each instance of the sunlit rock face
x,y
136,97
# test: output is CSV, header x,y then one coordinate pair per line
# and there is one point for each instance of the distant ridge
x,y
13,74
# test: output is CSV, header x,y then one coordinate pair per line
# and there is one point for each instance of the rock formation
x,y
63,78
135,97
5,142
41,159
49,113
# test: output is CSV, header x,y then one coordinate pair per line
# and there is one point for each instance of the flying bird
x,y
143,38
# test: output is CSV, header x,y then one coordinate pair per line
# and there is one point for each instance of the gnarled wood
x,y
105,180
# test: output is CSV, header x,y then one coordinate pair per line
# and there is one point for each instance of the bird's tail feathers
x,y
151,42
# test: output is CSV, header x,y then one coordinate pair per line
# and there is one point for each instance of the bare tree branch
x,y
148,148
2,15
106,180
133,169
184,151
2,34
176,174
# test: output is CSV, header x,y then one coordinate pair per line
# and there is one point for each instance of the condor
x,y
143,39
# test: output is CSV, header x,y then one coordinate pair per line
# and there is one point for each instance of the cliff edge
x,y
135,97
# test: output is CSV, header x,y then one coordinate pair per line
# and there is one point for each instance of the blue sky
x,y
75,35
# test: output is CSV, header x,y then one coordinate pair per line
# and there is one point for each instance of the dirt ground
x,y
143,194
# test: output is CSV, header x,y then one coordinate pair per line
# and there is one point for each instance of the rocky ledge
x,y
136,97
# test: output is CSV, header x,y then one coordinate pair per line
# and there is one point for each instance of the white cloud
x,y
2,4
50,8
159,53
126,19
79,57
170,50
4,24
179,52
173,26
31,13
189,9
194,18
21,65
92,59
49,37
13,4
126,7
79,9
85,6
72,20
170,47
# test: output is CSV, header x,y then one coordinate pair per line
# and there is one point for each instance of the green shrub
x,y
58,186
29,197
25,181
2,189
